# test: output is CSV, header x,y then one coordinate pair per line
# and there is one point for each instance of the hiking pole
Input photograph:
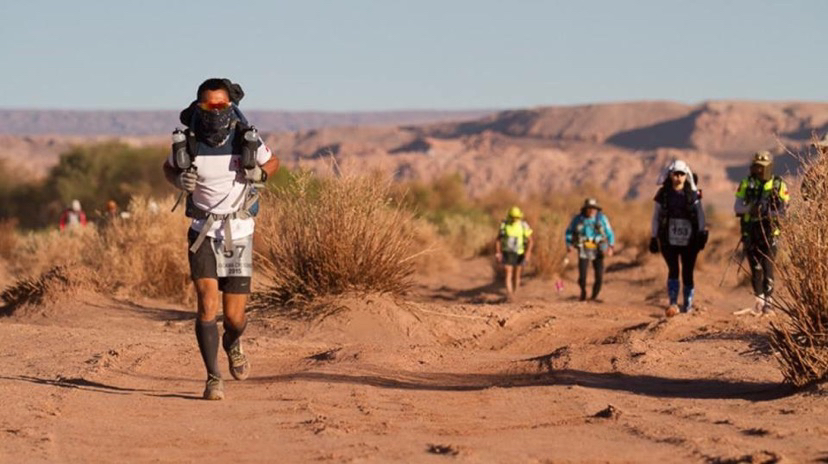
x,y
730,260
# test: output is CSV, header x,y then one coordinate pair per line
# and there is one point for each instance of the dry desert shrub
x,y
36,291
432,254
550,249
142,255
39,252
8,237
339,235
464,230
466,236
801,339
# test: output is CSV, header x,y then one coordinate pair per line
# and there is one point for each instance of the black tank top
x,y
677,203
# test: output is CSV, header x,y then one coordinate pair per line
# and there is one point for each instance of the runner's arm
x,y
266,159
739,206
609,231
656,221
700,214
271,166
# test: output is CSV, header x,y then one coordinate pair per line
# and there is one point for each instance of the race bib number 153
x,y
679,231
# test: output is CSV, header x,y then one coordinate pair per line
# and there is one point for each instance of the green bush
x,y
93,174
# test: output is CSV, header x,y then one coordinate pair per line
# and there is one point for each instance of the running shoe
x,y
239,364
214,390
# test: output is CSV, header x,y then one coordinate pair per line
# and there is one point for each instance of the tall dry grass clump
x,y
8,237
465,230
331,237
801,339
142,255
39,252
550,249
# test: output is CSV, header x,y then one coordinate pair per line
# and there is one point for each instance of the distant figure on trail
x,y
513,248
591,235
113,212
72,217
761,199
678,230
220,161
111,209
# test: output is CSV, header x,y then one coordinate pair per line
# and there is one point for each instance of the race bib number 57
x,y
235,263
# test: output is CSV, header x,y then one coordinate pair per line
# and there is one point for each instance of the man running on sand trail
x,y
219,161
513,248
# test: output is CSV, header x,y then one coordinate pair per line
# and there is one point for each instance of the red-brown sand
x,y
449,373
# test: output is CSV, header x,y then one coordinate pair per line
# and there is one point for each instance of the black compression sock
x,y
231,334
207,336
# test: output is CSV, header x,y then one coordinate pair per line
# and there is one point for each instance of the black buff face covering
x,y
214,127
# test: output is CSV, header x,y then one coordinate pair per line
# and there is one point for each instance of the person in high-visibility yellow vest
x,y
513,248
760,199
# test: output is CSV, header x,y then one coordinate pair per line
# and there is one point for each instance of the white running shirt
x,y
220,186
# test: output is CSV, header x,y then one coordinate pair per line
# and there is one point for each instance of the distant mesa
x,y
418,145
616,147
142,123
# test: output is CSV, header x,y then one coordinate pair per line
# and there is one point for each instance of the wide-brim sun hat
x,y
591,203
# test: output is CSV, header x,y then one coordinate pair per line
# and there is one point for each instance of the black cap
x,y
234,91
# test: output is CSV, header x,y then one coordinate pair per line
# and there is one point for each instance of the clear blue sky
x,y
349,55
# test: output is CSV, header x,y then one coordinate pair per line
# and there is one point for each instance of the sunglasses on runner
x,y
208,106
679,173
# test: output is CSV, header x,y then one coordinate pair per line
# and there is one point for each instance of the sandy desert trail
x,y
445,376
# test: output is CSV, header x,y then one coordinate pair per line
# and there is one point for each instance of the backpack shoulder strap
x,y
690,195
238,135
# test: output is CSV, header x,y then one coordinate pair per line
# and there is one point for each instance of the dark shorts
x,y
203,266
512,259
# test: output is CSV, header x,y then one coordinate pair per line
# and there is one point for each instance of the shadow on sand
x,y
490,293
647,385
79,383
660,387
150,312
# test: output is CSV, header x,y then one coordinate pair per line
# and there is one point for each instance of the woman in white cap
x,y
678,230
